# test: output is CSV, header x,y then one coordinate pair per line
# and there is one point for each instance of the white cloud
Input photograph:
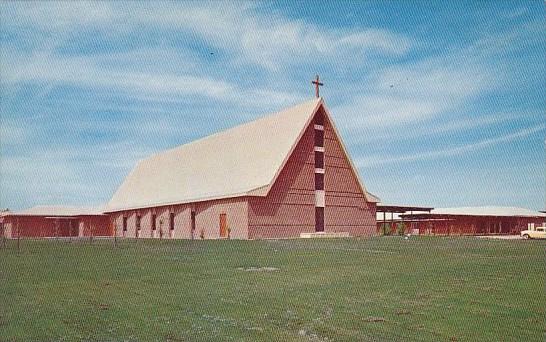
x,y
68,174
11,134
414,92
251,36
447,126
375,161
84,71
94,72
381,40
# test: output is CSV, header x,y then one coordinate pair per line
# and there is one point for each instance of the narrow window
x,y
138,222
319,160
319,181
319,219
171,221
319,138
192,222
319,119
124,223
154,219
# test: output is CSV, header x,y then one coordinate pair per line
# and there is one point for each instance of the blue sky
x,y
439,103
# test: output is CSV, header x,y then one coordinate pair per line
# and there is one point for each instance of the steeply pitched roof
x,y
244,160
58,210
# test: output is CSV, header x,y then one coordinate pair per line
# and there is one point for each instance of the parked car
x,y
537,233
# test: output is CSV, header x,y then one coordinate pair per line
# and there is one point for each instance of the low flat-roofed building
x,y
56,221
487,220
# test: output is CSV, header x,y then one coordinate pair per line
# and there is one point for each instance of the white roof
x,y
58,210
489,211
244,160
468,211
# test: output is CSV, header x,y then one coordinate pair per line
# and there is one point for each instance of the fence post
x,y
18,236
3,235
115,235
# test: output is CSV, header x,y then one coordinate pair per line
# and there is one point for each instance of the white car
x,y
537,233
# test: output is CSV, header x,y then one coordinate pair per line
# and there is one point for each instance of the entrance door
x,y
223,225
319,219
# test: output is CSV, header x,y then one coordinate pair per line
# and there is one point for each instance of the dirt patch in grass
x,y
374,319
259,269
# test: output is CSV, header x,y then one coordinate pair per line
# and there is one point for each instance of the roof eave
x,y
253,192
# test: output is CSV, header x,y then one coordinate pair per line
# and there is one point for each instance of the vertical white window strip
x,y
319,198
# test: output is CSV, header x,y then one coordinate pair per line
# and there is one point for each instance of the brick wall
x,y
289,209
346,207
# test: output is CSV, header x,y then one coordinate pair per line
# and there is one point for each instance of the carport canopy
x,y
399,209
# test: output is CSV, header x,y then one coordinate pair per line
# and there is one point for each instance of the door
x,y
223,225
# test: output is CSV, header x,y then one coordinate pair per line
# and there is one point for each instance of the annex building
x,y
486,220
280,176
55,221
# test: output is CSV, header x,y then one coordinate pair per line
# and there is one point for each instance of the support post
x,y
383,225
412,223
392,221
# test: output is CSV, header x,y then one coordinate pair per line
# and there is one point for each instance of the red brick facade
x,y
42,226
471,225
206,223
346,208
289,208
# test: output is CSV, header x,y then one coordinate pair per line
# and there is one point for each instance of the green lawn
x,y
426,289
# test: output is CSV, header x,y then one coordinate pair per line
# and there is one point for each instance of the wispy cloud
x,y
375,161
456,125
69,174
264,39
418,91
85,72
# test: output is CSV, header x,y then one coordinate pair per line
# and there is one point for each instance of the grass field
x,y
426,289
